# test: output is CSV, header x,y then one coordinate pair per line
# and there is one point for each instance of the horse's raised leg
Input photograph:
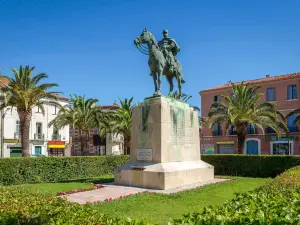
x,y
170,80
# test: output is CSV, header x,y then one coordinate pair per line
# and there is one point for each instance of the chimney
x,y
268,75
229,82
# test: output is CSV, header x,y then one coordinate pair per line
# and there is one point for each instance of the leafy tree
x,y
121,121
241,109
24,92
82,114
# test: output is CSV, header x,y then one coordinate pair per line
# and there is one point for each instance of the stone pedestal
x,y
165,147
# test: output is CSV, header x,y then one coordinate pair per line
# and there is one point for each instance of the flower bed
x,y
95,186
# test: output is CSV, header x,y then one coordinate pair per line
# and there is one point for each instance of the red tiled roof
x,y
58,96
256,81
4,81
109,107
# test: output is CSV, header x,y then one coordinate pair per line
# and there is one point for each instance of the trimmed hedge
x,y
50,169
277,202
251,165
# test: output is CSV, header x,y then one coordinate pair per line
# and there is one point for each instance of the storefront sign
x,y
276,138
56,144
11,141
225,143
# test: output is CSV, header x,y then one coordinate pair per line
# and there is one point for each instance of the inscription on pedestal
x,y
144,154
182,132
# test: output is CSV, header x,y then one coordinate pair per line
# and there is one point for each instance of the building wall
x,y
208,141
11,139
112,145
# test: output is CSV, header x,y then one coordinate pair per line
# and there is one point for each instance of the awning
x,y
225,143
57,146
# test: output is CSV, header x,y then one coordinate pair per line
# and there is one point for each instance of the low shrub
x,y
18,206
50,169
277,202
251,165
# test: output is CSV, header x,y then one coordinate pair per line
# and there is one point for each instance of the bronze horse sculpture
x,y
158,64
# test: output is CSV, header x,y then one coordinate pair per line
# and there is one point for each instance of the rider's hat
x,y
165,31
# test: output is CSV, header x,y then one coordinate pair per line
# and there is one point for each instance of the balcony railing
x,y
56,137
38,136
17,135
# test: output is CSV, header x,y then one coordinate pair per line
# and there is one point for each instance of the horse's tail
x,y
179,72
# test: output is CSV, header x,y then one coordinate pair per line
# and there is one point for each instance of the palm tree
x,y
82,114
24,92
121,121
241,109
295,119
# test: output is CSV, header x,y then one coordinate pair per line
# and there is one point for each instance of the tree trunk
x,y
82,143
25,118
127,145
241,132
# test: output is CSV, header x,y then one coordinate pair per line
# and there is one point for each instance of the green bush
x,y
49,169
18,206
251,165
277,202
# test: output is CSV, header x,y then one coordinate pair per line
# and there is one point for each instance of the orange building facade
x,y
285,90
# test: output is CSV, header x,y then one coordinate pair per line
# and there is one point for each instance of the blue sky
x,y
86,46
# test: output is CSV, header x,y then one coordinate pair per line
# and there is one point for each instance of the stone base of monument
x,y
165,147
163,176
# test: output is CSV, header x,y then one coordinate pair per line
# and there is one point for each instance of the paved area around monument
x,y
110,191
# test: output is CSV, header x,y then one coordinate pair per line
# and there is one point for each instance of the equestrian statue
x,y
162,59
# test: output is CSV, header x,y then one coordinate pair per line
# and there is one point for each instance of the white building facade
x,y
44,140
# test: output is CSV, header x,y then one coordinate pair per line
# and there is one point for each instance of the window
x,y
217,130
271,94
39,128
55,110
56,152
18,128
269,130
251,129
38,110
292,126
292,92
217,98
284,148
232,130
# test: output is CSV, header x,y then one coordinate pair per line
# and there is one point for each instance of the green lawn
x,y
54,188
159,208
156,207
